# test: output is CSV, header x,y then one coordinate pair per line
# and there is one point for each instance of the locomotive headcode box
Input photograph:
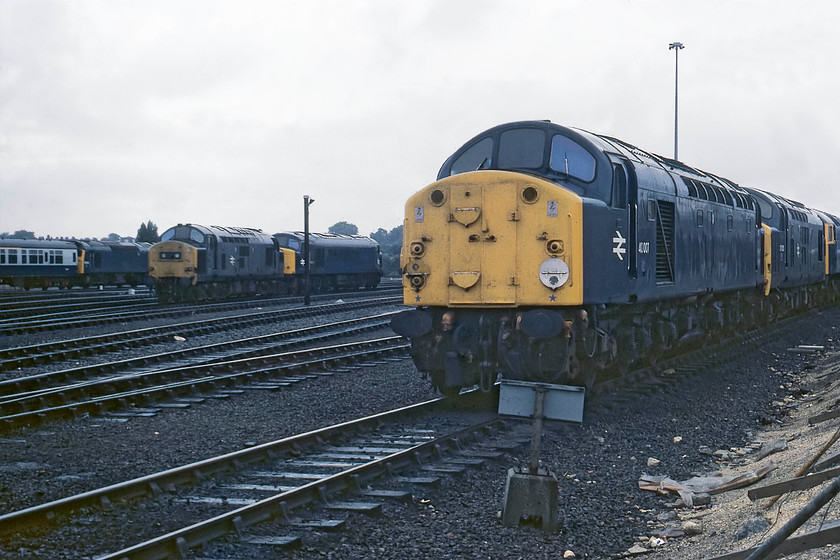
x,y
562,402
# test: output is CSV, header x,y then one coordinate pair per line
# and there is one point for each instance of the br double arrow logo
x,y
619,248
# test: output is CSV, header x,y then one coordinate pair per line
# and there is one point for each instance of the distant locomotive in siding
x,y
195,262
44,263
548,253
337,261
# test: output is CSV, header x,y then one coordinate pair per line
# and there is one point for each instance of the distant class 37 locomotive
x,y
194,262
547,253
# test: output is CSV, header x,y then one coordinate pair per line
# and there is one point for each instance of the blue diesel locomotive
x,y
44,263
194,262
553,254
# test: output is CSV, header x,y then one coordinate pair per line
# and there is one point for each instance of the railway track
x,y
32,308
222,494
151,390
38,319
291,484
25,356
11,295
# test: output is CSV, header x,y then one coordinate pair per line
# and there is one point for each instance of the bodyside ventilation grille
x,y
664,242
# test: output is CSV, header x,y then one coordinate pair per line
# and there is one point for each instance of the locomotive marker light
x,y
676,46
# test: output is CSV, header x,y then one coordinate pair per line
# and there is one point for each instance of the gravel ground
x,y
598,463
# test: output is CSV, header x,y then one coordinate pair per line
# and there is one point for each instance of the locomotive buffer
x,y
531,494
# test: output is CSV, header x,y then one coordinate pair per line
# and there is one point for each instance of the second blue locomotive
x,y
195,262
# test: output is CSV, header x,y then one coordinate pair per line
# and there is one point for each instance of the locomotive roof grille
x,y
797,215
252,232
714,193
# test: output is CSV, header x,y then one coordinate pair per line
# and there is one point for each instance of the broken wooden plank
x,y
810,463
823,417
798,483
829,534
828,463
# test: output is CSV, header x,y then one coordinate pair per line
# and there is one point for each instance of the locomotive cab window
x,y
521,148
570,158
477,157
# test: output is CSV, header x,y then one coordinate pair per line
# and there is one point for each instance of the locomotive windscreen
x,y
525,149
188,234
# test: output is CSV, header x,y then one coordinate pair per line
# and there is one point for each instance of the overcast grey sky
x,y
228,112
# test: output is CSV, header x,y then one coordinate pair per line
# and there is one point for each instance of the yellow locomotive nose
x,y
493,238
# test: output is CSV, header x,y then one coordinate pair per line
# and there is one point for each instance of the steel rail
x,y
30,355
60,395
100,405
189,474
54,321
12,312
258,344
178,543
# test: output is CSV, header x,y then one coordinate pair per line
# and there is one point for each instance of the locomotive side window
x,y
805,238
521,148
820,246
619,194
477,157
701,218
651,210
766,209
570,158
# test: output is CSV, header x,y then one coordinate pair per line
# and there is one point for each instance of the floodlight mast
x,y
676,46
